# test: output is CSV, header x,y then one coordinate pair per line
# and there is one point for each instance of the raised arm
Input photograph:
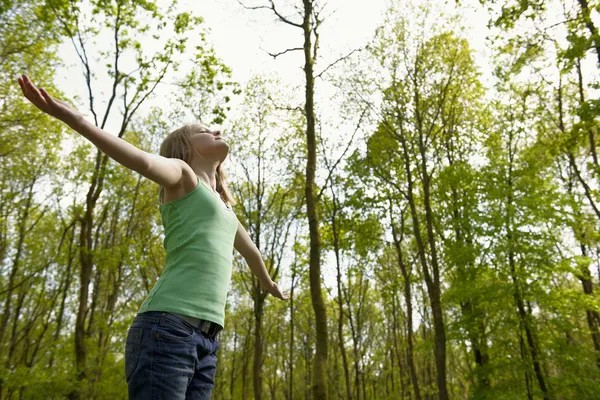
x,y
246,247
166,172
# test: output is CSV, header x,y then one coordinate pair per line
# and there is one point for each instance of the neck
x,y
206,170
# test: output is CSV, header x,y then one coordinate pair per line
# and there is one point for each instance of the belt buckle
x,y
211,331
216,329
204,326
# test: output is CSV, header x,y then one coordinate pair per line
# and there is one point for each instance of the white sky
x,y
241,36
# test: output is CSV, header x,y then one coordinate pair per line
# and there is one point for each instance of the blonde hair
x,y
177,145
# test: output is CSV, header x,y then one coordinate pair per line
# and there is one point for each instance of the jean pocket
x,y
173,330
132,350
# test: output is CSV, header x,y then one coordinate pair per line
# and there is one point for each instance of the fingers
x,y
27,85
29,89
22,85
23,88
277,292
33,88
39,97
282,295
46,96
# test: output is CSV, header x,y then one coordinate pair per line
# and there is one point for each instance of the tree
x,y
310,15
270,203
423,112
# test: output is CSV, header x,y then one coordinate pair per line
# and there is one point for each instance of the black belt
x,y
211,329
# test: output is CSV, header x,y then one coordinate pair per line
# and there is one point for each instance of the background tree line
x,y
436,218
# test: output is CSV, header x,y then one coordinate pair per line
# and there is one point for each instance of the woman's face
x,y
209,143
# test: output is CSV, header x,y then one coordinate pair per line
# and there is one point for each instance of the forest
x,y
430,198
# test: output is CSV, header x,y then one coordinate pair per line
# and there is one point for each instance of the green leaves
x,y
182,22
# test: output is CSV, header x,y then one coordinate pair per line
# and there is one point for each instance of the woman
x,y
171,346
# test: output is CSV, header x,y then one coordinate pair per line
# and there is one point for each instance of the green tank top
x,y
199,234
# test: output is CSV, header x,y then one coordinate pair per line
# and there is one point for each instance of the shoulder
x,y
188,176
182,164
186,184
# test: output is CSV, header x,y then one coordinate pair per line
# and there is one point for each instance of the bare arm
x,y
164,171
246,247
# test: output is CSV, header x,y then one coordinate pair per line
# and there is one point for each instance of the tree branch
x,y
337,61
274,9
275,55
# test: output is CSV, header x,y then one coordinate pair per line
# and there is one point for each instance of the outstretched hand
x,y
48,104
276,291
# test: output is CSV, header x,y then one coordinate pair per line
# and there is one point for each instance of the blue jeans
x,y
168,358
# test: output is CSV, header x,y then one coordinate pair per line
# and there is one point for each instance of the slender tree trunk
x,y
85,277
517,292
587,19
22,229
309,25
245,358
592,316
308,368
433,280
397,237
590,128
71,254
16,261
340,322
477,337
232,377
259,300
431,277
319,388
475,330
291,341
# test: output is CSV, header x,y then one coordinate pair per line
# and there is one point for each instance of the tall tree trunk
x,y
397,237
431,276
591,129
476,329
86,262
592,316
319,387
22,231
433,279
71,254
523,316
309,25
233,375
290,388
259,300
587,19
340,302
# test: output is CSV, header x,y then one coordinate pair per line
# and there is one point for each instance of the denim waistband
x,y
208,327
